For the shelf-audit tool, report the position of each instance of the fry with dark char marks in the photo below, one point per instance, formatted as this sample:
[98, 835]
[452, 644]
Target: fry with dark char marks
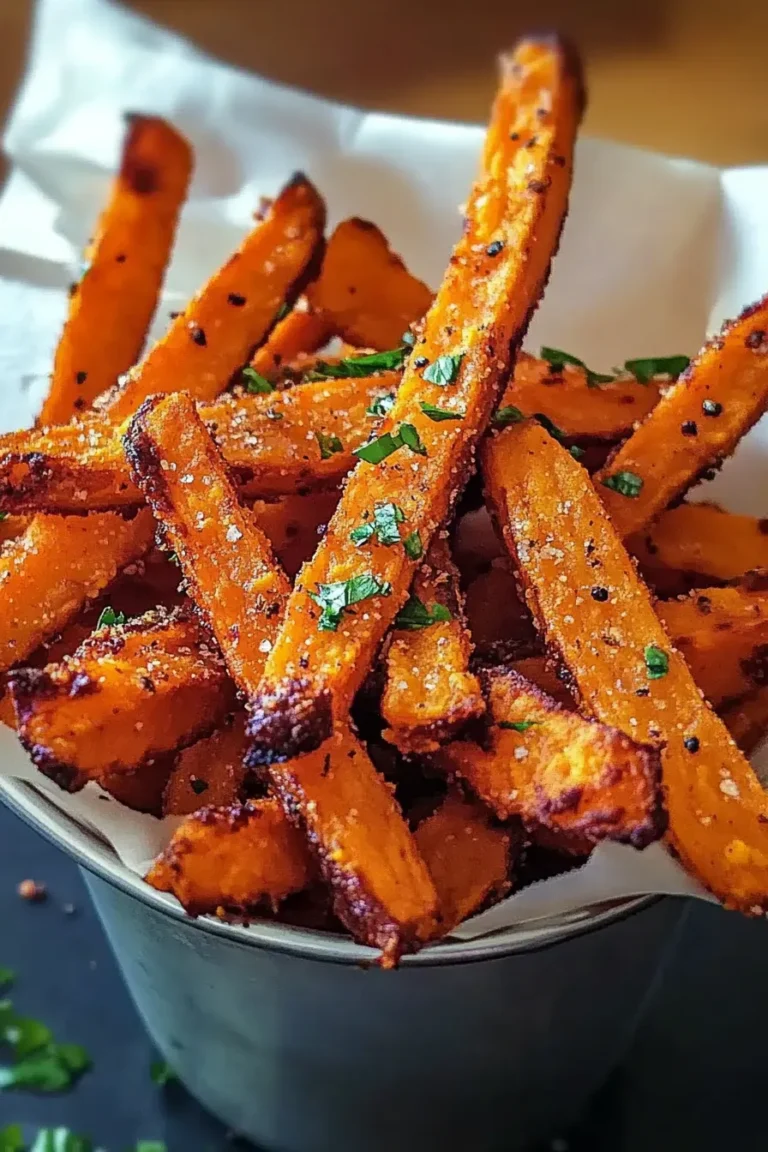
[112, 305]
[129, 694]
[621, 661]
[551, 767]
[346, 598]
[365, 290]
[54, 567]
[300, 331]
[275, 443]
[694, 427]
[381, 887]
[210, 772]
[430, 694]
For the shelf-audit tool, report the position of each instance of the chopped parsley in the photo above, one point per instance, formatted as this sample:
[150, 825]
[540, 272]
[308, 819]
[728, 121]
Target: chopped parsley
[364, 365]
[151, 1146]
[625, 483]
[438, 414]
[329, 445]
[548, 425]
[415, 615]
[7, 977]
[374, 451]
[336, 598]
[410, 437]
[384, 525]
[60, 1140]
[161, 1073]
[282, 311]
[414, 549]
[3, 516]
[558, 359]
[518, 725]
[576, 452]
[444, 370]
[11, 1139]
[362, 534]
[507, 415]
[656, 662]
[109, 618]
[645, 370]
[381, 406]
[256, 383]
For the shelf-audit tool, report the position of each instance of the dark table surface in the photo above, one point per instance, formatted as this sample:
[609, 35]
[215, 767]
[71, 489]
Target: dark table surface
[693, 1079]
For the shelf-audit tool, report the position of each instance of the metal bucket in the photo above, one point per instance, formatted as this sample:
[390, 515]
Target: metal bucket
[293, 1039]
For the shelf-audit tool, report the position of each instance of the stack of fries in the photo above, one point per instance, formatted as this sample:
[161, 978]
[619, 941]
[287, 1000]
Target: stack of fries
[249, 579]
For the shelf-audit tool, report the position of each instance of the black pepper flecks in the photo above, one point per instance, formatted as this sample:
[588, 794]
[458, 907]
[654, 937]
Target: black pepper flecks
[72, 289]
[198, 786]
[689, 428]
[691, 744]
[81, 377]
[532, 142]
[494, 248]
[539, 185]
[599, 594]
[121, 258]
[642, 691]
[236, 300]
[711, 408]
[421, 362]
[514, 135]
[758, 341]
[199, 337]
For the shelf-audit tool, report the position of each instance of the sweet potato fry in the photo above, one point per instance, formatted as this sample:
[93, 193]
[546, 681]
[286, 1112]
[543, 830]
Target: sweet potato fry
[364, 290]
[496, 274]
[300, 331]
[275, 444]
[747, 720]
[216, 332]
[238, 858]
[699, 544]
[429, 693]
[129, 694]
[143, 789]
[11, 527]
[468, 857]
[497, 616]
[542, 672]
[621, 660]
[49, 572]
[382, 889]
[294, 525]
[210, 772]
[583, 780]
[111, 307]
[694, 426]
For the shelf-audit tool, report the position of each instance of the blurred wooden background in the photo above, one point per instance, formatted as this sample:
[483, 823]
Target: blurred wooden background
[682, 76]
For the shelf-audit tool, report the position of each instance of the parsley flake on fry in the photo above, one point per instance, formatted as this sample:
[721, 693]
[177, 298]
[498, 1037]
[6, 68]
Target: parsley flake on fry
[625, 483]
[656, 662]
[414, 548]
[381, 406]
[647, 369]
[364, 365]
[438, 414]
[415, 614]
[109, 618]
[444, 370]
[256, 383]
[558, 359]
[329, 445]
[507, 415]
[518, 725]
[336, 598]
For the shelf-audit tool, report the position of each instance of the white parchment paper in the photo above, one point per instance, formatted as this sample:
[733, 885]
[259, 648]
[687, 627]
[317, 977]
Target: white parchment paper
[656, 252]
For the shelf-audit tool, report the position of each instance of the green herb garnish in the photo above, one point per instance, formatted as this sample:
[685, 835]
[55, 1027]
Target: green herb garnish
[374, 451]
[256, 383]
[329, 445]
[415, 615]
[558, 359]
[109, 618]
[3, 516]
[438, 414]
[282, 311]
[336, 598]
[645, 370]
[410, 437]
[52, 1068]
[161, 1073]
[151, 1146]
[7, 977]
[11, 1139]
[364, 365]
[625, 483]
[381, 406]
[386, 518]
[576, 452]
[507, 415]
[444, 370]
[60, 1140]
[362, 534]
[414, 549]
[518, 725]
[656, 662]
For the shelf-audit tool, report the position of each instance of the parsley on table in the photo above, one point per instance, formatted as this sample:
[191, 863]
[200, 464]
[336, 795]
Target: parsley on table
[381, 406]
[645, 370]
[656, 662]
[150, 1146]
[625, 483]
[444, 370]
[415, 615]
[364, 365]
[60, 1140]
[39, 1062]
[329, 445]
[11, 1139]
[336, 598]
[109, 618]
[256, 383]
[507, 415]
[374, 451]
[438, 414]
[161, 1073]
[557, 359]
[518, 725]
[7, 977]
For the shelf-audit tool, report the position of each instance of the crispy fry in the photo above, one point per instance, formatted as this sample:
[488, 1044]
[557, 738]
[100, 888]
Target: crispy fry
[364, 290]
[694, 427]
[295, 524]
[238, 858]
[142, 790]
[275, 444]
[300, 331]
[700, 544]
[430, 694]
[479, 317]
[468, 858]
[747, 720]
[129, 694]
[54, 567]
[621, 660]
[216, 332]
[542, 672]
[210, 772]
[583, 780]
[111, 307]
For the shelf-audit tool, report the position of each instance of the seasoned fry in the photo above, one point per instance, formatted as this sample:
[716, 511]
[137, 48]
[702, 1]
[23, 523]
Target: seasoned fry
[142, 790]
[364, 290]
[275, 444]
[300, 331]
[583, 780]
[124, 269]
[694, 427]
[747, 720]
[472, 331]
[58, 564]
[216, 332]
[468, 858]
[210, 772]
[129, 694]
[239, 858]
[430, 694]
[622, 663]
[542, 672]
[382, 889]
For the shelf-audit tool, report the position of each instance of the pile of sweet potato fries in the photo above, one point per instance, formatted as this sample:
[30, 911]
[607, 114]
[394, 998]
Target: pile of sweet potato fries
[249, 578]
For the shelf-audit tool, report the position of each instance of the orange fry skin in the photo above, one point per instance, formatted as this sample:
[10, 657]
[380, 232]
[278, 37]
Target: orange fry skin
[54, 567]
[300, 331]
[480, 314]
[468, 857]
[298, 439]
[239, 858]
[695, 425]
[583, 780]
[565, 545]
[111, 307]
[430, 694]
[128, 695]
[364, 290]
[210, 772]
[218, 329]
[143, 789]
